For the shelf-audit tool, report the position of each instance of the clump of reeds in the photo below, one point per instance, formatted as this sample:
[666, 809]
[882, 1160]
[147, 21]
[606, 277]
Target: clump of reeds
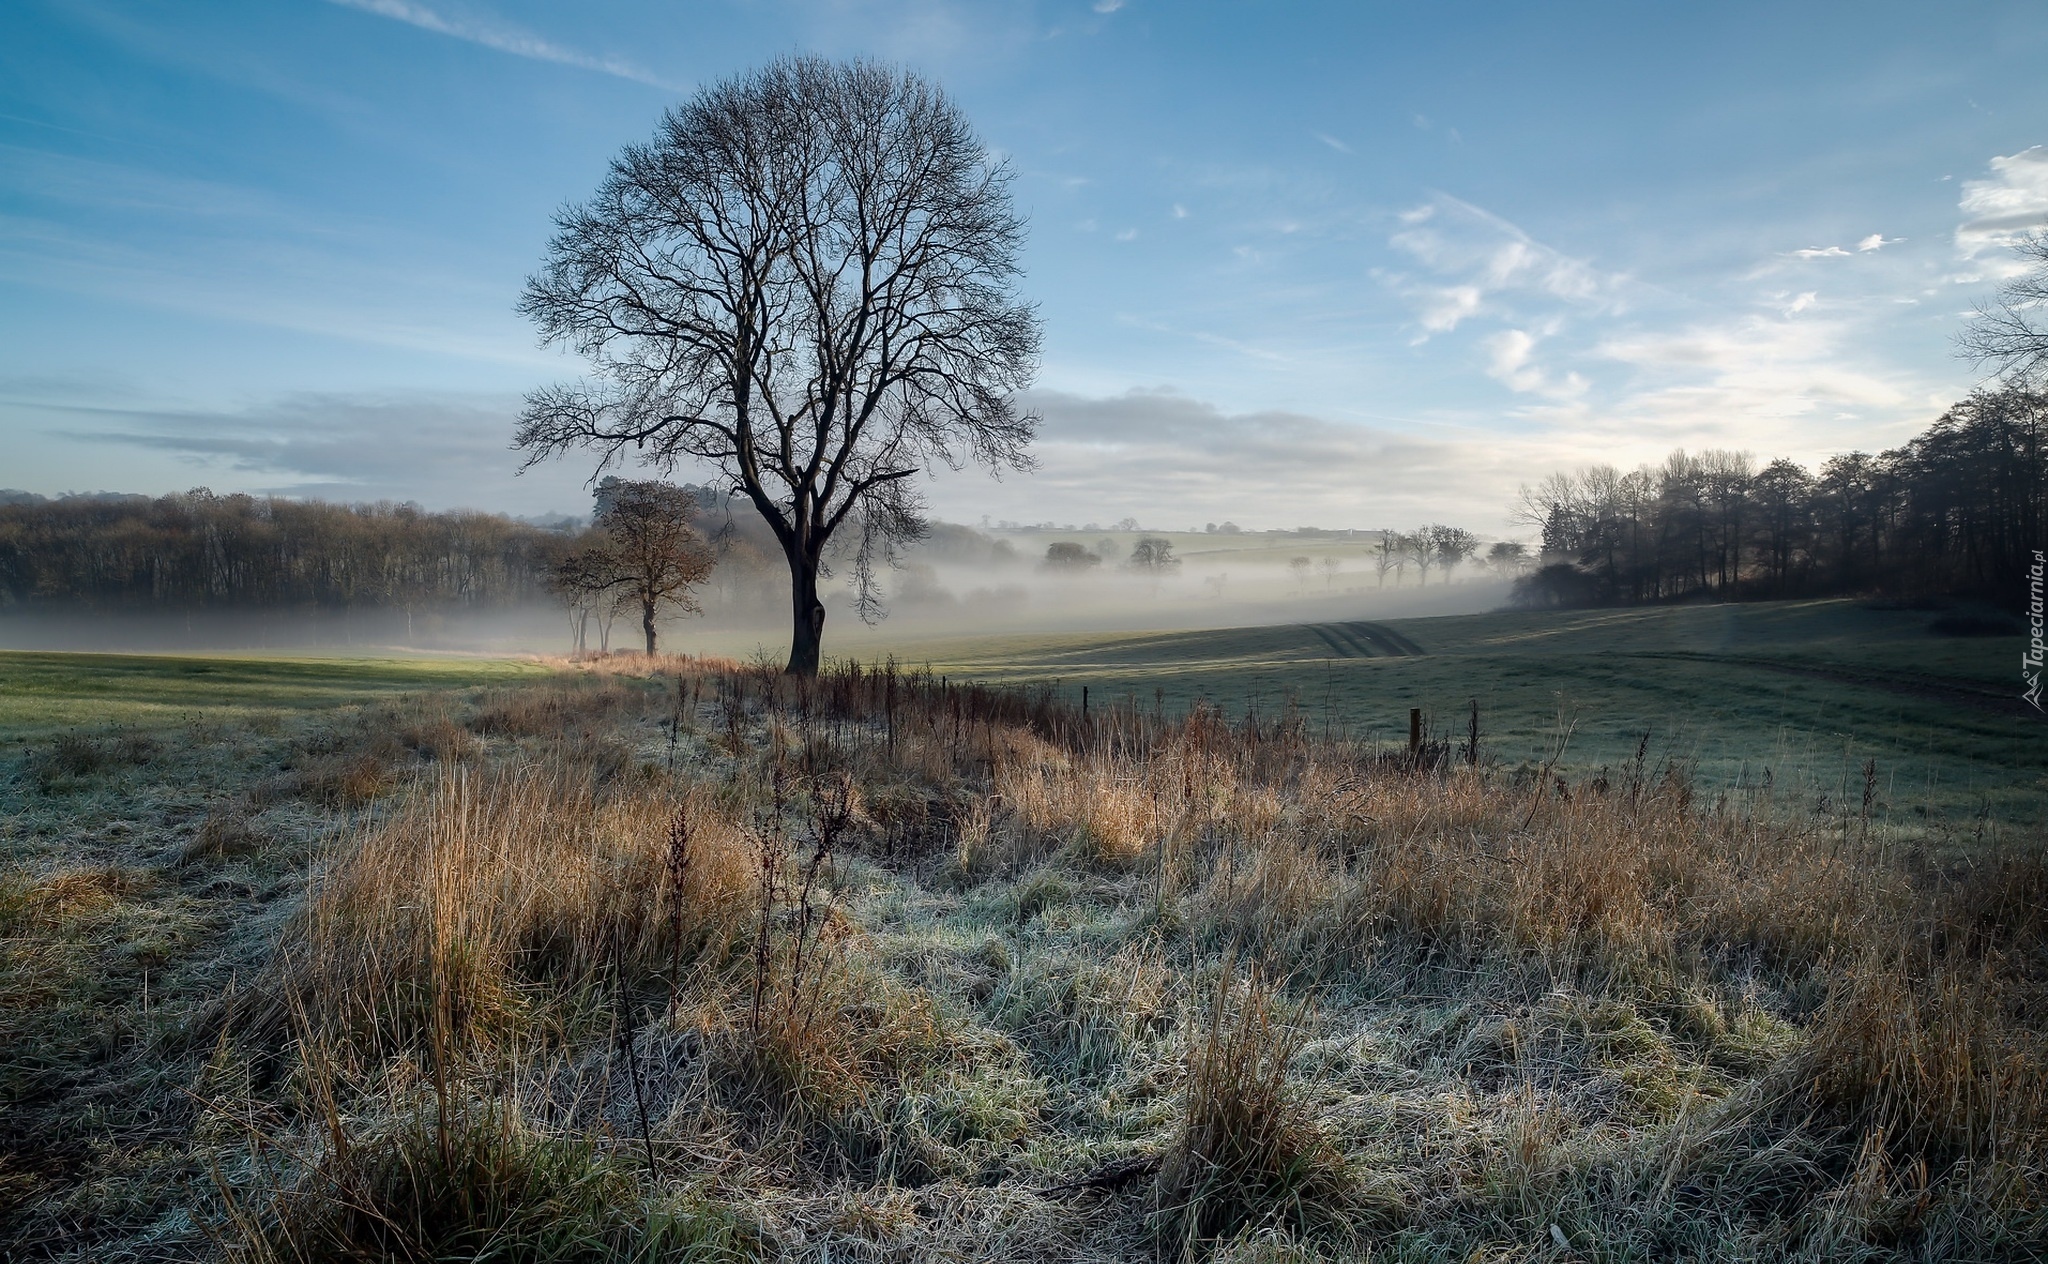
[1932, 1059]
[1249, 1150]
[74, 758]
[471, 1180]
[490, 890]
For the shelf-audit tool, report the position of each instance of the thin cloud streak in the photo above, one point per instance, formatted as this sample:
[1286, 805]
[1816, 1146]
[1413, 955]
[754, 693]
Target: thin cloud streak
[504, 39]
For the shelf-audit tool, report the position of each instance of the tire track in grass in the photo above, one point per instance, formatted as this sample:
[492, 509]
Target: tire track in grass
[1365, 640]
[1345, 648]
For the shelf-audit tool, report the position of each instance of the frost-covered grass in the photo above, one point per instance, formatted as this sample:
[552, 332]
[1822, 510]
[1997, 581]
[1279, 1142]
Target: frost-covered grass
[676, 959]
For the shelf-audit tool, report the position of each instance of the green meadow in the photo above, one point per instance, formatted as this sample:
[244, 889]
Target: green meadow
[44, 693]
[1799, 696]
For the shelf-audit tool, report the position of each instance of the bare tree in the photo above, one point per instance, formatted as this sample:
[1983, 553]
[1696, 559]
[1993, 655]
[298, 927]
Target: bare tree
[1421, 550]
[2011, 332]
[804, 281]
[642, 554]
[1388, 554]
[1448, 546]
[1299, 565]
[1153, 555]
[578, 575]
[1507, 558]
[653, 558]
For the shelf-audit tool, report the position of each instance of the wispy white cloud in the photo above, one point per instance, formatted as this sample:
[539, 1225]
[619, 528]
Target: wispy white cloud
[1108, 6]
[1821, 252]
[1510, 362]
[1482, 256]
[1332, 142]
[1769, 383]
[1878, 241]
[2001, 208]
[1444, 307]
[1801, 302]
[1171, 458]
[503, 37]
[226, 252]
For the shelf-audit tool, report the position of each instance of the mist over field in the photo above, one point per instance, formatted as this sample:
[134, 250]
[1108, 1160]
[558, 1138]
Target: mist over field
[930, 595]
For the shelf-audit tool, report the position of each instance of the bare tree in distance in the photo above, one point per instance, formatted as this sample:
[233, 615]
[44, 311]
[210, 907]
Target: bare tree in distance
[2010, 333]
[657, 558]
[1507, 558]
[805, 282]
[1153, 555]
[1387, 555]
[1448, 546]
[578, 575]
[1421, 550]
[642, 554]
[1299, 565]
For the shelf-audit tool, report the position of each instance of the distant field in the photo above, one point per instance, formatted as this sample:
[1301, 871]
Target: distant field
[1802, 692]
[41, 693]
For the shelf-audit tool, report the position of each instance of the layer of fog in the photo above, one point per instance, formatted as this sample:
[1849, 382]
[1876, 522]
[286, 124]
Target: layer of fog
[968, 584]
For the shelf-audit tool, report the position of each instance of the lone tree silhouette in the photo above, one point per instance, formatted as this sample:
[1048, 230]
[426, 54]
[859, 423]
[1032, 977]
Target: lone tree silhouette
[806, 282]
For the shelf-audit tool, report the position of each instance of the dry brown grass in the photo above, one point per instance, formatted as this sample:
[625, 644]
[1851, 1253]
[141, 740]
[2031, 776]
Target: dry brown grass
[887, 967]
[562, 709]
[491, 887]
[1249, 1151]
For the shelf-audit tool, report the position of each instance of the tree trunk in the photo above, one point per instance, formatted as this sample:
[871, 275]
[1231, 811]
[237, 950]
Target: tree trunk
[807, 616]
[647, 622]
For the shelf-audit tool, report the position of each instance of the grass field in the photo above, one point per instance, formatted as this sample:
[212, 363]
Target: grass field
[1803, 693]
[44, 693]
[337, 960]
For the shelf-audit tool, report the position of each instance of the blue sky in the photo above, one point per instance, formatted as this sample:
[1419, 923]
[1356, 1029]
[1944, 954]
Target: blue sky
[1341, 264]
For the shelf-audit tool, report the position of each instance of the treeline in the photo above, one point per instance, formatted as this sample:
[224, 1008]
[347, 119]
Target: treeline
[198, 550]
[1956, 512]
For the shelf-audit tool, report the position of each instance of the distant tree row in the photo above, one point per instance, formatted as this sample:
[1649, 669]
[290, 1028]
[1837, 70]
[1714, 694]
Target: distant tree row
[1957, 511]
[199, 550]
[1151, 555]
[1434, 547]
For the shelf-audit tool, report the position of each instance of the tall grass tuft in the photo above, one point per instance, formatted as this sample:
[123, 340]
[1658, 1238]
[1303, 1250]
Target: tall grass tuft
[492, 892]
[1249, 1150]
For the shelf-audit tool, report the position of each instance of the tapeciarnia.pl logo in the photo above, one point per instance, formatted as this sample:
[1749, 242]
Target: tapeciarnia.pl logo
[2030, 661]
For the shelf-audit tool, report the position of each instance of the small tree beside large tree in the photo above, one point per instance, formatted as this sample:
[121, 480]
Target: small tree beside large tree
[805, 281]
[642, 555]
